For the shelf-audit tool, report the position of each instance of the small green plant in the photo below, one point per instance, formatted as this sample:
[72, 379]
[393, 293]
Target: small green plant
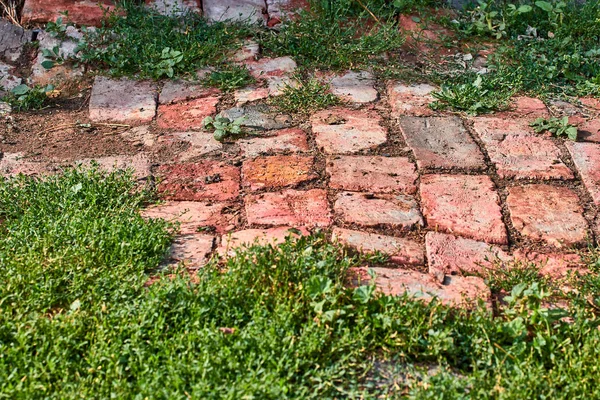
[58, 29]
[24, 98]
[224, 127]
[557, 126]
[309, 96]
[483, 95]
[53, 57]
[229, 78]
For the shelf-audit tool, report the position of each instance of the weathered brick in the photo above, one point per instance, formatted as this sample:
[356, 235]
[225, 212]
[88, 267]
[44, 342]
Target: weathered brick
[179, 91]
[122, 100]
[441, 142]
[186, 115]
[586, 157]
[554, 265]
[258, 117]
[372, 174]
[139, 163]
[410, 100]
[400, 250]
[262, 237]
[290, 207]
[235, 10]
[205, 180]
[175, 7]
[397, 211]
[463, 205]
[517, 152]
[344, 131]
[271, 67]
[277, 171]
[13, 164]
[192, 215]
[192, 250]
[448, 254]
[249, 94]
[81, 12]
[356, 87]
[285, 140]
[200, 143]
[454, 290]
[547, 213]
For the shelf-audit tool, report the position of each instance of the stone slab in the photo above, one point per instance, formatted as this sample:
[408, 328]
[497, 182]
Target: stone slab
[204, 180]
[277, 171]
[12, 40]
[261, 237]
[464, 205]
[122, 100]
[193, 216]
[290, 207]
[291, 140]
[356, 87]
[586, 157]
[410, 99]
[449, 255]
[175, 7]
[345, 131]
[396, 211]
[186, 115]
[400, 250]
[517, 152]
[372, 174]
[547, 213]
[235, 10]
[441, 142]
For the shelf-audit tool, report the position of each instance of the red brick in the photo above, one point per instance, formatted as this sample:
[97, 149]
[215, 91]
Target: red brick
[586, 157]
[178, 91]
[290, 207]
[410, 100]
[519, 153]
[285, 140]
[372, 174]
[463, 205]
[205, 180]
[400, 250]
[453, 291]
[547, 213]
[531, 107]
[277, 171]
[81, 12]
[441, 142]
[344, 131]
[192, 215]
[554, 265]
[589, 130]
[260, 237]
[397, 211]
[448, 254]
[186, 115]
[191, 250]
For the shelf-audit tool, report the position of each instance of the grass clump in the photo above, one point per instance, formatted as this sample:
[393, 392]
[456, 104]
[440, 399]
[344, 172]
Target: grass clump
[274, 322]
[308, 96]
[147, 44]
[548, 49]
[336, 34]
[229, 78]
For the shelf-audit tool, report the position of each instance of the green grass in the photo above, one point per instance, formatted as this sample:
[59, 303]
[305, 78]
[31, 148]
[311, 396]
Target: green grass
[76, 320]
[146, 44]
[336, 34]
[308, 96]
[228, 78]
[545, 49]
